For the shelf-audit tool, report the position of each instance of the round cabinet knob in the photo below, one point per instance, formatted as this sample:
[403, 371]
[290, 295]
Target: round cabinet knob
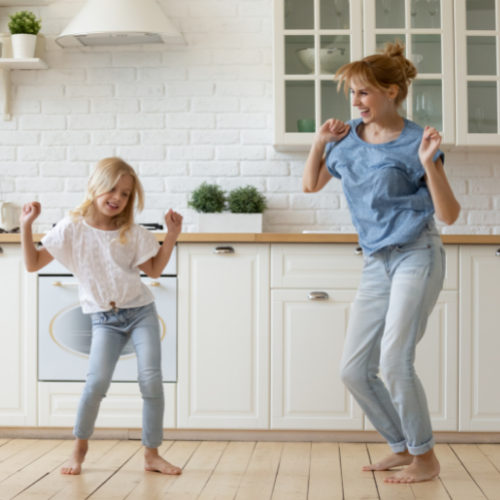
[223, 250]
[154, 284]
[358, 251]
[318, 296]
[56, 283]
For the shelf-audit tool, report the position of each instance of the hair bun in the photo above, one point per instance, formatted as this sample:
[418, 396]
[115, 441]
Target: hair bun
[396, 50]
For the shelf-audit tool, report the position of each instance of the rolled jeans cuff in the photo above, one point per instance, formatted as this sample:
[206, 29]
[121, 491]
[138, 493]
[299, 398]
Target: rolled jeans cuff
[398, 447]
[423, 448]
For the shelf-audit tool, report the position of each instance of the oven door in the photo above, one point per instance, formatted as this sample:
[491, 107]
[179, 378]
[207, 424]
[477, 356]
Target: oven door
[65, 333]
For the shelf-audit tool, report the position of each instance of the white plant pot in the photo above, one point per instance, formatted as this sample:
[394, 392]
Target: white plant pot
[23, 46]
[230, 223]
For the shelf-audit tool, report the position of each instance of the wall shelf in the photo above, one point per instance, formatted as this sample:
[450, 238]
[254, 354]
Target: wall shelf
[33, 63]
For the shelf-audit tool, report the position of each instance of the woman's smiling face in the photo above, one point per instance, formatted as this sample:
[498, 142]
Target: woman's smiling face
[372, 103]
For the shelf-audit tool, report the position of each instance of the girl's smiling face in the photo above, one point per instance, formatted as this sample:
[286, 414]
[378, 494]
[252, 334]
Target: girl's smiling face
[114, 201]
[373, 104]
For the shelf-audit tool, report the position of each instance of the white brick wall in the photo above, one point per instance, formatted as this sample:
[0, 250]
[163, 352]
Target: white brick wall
[181, 115]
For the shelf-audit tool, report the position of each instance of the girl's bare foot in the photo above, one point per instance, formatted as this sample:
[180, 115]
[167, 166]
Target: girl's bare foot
[73, 466]
[394, 460]
[155, 463]
[423, 468]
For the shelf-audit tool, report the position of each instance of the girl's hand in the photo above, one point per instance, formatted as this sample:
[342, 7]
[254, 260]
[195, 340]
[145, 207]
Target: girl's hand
[173, 220]
[333, 130]
[431, 141]
[30, 212]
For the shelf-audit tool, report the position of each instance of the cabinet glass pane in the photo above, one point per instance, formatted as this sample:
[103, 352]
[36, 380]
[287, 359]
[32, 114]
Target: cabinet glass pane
[335, 52]
[481, 55]
[481, 15]
[381, 40]
[334, 14]
[428, 103]
[482, 107]
[425, 13]
[299, 14]
[334, 104]
[390, 14]
[299, 102]
[426, 53]
[299, 55]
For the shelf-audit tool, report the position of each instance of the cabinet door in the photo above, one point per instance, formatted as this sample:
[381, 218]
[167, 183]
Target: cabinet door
[305, 32]
[477, 31]
[307, 344]
[479, 338]
[426, 29]
[223, 377]
[18, 340]
[121, 408]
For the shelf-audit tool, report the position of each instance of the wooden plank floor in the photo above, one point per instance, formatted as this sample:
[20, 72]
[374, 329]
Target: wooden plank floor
[216, 470]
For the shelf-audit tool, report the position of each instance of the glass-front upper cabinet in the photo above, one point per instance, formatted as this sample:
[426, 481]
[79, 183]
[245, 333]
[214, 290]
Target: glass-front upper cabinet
[312, 40]
[426, 29]
[476, 39]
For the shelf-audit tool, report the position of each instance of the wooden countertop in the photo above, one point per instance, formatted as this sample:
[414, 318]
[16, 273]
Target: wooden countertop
[457, 239]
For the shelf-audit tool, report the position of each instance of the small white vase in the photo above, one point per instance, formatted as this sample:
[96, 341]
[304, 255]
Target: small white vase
[23, 46]
[230, 223]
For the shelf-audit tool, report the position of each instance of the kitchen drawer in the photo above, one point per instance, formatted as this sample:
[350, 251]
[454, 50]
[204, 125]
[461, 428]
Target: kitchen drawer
[121, 408]
[336, 265]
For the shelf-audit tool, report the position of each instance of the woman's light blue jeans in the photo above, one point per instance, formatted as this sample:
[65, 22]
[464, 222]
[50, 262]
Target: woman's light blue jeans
[399, 288]
[110, 332]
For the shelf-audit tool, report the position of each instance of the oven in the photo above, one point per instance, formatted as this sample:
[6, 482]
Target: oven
[65, 333]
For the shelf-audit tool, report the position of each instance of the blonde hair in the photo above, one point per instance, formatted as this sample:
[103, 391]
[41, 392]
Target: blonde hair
[389, 67]
[104, 177]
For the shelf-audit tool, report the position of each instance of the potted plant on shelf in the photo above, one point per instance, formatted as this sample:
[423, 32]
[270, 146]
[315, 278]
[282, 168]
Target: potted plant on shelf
[245, 204]
[24, 27]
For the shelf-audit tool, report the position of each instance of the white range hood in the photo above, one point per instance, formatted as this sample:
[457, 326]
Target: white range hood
[118, 22]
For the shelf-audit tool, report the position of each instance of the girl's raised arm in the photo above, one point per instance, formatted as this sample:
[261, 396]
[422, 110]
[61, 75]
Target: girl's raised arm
[34, 259]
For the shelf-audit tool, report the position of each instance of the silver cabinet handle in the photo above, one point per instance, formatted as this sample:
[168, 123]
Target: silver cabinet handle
[358, 251]
[58, 283]
[318, 296]
[497, 253]
[223, 250]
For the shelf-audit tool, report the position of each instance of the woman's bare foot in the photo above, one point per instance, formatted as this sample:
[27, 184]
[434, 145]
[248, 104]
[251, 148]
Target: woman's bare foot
[423, 468]
[73, 466]
[155, 463]
[394, 460]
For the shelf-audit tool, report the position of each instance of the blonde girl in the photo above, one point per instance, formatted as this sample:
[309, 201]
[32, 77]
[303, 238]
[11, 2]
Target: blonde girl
[106, 251]
[394, 181]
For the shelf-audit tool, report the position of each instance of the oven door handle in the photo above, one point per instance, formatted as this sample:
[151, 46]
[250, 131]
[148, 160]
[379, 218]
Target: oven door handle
[58, 283]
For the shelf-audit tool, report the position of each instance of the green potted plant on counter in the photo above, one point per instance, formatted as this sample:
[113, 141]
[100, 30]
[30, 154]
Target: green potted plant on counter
[24, 27]
[246, 206]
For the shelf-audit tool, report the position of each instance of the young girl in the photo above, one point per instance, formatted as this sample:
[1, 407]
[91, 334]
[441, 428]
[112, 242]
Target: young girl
[105, 250]
[393, 178]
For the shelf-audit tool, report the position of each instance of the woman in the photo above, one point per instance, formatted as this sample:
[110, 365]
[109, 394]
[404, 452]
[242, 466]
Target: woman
[393, 178]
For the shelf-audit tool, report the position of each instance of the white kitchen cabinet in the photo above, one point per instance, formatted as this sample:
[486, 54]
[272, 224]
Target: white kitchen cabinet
[18, 346]
[426, 29]
[121, 408]
[479, 338]
[223, 379]
[306, 351]
[305, 95]
[477, 32]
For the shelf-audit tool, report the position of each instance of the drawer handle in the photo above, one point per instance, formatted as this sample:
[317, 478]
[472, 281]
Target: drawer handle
[318, 296]
[58, 283]
[497, 253]
[223, 250]
[358, 251]
[154, 283]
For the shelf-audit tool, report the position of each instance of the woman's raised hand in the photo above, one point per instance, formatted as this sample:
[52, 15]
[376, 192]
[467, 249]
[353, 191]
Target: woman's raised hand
[173, 220]
[30, 212]
[333, 130]
[431, 140]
